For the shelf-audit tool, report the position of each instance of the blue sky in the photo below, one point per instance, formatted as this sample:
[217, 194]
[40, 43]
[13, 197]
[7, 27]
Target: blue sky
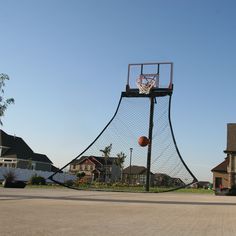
[67, 61]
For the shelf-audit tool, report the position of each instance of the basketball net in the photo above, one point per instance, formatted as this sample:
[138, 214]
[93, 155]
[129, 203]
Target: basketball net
[145, 84]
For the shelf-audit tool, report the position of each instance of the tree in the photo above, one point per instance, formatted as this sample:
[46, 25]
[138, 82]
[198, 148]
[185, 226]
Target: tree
[80, 175]
[4, 102]
[106, 154]
[119, 161]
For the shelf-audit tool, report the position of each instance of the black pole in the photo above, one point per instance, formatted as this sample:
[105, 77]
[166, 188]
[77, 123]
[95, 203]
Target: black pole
[130, 162]
[149, 154]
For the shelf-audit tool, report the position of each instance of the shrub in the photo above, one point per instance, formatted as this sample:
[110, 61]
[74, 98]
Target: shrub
[80, 175]
[69, 182]
[9, 176]
[37, 180]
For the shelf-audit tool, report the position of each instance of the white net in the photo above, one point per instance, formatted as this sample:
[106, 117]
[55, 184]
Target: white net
[145, 84]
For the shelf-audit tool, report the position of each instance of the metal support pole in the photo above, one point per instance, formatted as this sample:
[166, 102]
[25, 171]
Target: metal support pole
[149, 154]
[130, 162]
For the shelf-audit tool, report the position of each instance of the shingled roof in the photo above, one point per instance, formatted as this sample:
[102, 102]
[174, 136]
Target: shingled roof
[135, 170]
[222, 167]
[41, 158]
[97, 159]
[12, 145]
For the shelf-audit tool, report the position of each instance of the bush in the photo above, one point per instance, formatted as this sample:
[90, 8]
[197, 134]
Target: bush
[37, 180]
[10, 180]
[231, 192]
[69, 183]
[9, 176]
[80, 175]
[16, 184]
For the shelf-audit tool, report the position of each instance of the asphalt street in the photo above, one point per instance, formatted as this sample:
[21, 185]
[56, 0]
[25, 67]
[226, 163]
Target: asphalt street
[40, 212]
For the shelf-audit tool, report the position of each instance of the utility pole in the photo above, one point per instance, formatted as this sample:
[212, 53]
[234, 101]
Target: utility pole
[130, 162]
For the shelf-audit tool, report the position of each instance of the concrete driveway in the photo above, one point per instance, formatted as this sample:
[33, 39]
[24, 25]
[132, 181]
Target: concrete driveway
[68, 212]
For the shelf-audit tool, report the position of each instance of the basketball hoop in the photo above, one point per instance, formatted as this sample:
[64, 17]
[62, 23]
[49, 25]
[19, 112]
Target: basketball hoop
[145, 84]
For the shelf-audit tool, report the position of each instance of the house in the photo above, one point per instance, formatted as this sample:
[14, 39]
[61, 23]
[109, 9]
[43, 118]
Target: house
[96, 168]
[201, 184]
[220, 175]
[15, 153]
[164, 180]
[136, 175]
[224, 174]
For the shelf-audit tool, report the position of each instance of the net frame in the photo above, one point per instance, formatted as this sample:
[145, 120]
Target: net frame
[165, 158]
[192, 179]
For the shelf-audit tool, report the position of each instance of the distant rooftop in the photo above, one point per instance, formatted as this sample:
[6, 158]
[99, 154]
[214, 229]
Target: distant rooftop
[222, 167]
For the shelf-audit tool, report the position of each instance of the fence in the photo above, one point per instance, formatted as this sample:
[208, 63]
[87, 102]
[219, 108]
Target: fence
[25, 174]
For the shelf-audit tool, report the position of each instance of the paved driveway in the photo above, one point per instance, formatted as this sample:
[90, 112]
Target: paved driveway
[40, 212]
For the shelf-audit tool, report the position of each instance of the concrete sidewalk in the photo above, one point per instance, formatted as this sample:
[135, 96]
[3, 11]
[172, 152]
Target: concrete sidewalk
[40, 212]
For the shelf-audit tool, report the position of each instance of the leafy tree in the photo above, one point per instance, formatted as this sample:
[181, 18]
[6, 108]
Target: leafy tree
[4, 102]
[80, 175]
[106, 154]
[119, 161]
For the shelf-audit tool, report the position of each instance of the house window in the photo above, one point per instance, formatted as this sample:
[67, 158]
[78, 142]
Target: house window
[142, 179]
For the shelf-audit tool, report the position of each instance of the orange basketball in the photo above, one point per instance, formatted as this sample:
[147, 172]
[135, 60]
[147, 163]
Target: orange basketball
[143, 141]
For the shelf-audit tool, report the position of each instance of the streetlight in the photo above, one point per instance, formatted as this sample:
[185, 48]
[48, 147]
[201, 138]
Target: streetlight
[130, 161]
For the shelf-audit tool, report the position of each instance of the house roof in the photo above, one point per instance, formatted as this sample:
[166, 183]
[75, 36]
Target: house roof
[55, 169]
[203, 183]
[41, 158]
[222, 167]
[13, 145]
[95, 159]
[161, 175]
[135, 170]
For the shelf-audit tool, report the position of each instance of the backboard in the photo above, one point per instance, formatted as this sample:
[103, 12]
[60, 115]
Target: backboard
[148, 77]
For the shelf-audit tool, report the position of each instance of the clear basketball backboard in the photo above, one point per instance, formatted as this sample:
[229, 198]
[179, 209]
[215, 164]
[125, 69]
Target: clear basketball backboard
[150, 76]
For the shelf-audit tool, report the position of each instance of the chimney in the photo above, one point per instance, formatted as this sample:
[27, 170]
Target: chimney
[231, 138]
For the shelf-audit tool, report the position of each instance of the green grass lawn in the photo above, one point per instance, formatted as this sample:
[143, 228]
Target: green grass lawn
[142, 189]
[195, 190]
[125, 188]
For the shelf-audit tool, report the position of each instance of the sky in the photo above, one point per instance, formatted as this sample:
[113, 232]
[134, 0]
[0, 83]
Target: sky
[67, 62]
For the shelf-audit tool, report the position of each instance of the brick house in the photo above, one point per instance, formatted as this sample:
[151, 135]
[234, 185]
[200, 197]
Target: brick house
[136, 175]
[96, 168]
[220, 175]
[164, 180]
[15, 153]
[224, 174]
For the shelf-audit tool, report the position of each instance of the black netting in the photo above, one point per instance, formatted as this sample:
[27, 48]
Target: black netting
[96, 169]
